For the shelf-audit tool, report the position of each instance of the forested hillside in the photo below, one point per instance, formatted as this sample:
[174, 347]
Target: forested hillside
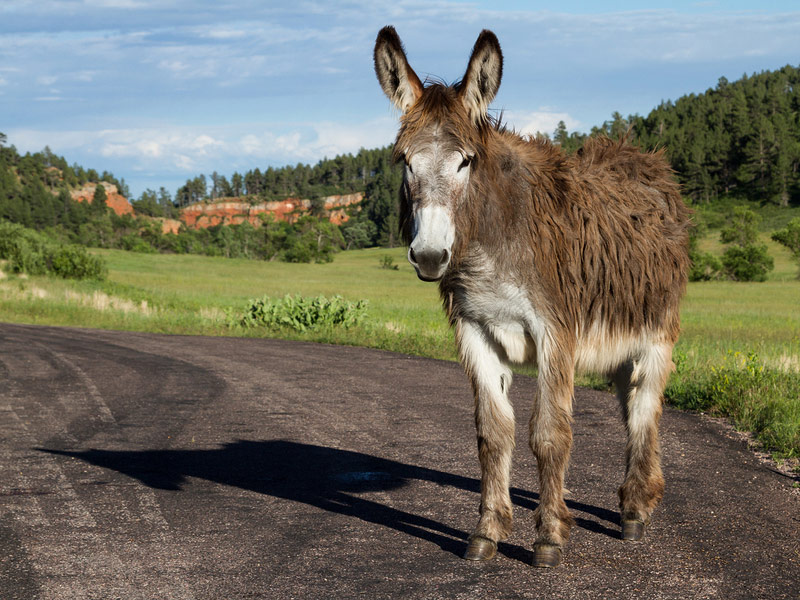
[740, 139]
[368, 171]
[34, 188]
[35, 191]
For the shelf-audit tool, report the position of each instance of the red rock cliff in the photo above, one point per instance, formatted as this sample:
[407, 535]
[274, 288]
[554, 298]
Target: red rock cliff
[226, 211]
[232, 211]
[116, 201]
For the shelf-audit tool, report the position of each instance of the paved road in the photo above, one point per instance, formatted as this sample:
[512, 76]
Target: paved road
[145, 466]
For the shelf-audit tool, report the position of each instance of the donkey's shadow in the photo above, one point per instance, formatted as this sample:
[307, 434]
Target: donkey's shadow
[327, 478]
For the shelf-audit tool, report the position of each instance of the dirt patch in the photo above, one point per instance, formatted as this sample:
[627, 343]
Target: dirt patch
[788, 467]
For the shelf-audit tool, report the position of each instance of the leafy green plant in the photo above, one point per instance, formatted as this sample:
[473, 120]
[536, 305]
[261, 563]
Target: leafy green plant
[303, 314]
[704, 265]
[747, 263]
[74, 262]
[387, 262]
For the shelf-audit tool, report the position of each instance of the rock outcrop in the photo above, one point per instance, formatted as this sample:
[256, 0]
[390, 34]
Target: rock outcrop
[232, 211]
[169, 225]
[227, 211]
[116, 201]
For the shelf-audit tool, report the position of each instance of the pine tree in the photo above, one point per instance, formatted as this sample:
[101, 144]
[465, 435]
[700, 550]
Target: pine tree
[99, 200]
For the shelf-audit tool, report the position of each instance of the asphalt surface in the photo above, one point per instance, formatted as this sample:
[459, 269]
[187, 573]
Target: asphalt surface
[146, 466]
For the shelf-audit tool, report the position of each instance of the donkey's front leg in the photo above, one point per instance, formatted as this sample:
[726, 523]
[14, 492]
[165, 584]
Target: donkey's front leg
[551, 438]
[494, 421]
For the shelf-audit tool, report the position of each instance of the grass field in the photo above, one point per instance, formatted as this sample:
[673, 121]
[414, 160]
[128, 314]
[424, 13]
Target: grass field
[739, 353]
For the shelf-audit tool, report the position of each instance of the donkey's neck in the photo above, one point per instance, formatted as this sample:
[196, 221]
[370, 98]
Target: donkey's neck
[520, 183]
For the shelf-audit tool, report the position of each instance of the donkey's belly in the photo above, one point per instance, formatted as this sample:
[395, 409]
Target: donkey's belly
[601, 351]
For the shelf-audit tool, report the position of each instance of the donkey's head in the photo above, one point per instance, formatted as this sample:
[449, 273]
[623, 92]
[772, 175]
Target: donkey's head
[439, 140]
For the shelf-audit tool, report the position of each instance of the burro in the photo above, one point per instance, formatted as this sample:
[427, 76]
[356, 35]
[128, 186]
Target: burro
[565, 262]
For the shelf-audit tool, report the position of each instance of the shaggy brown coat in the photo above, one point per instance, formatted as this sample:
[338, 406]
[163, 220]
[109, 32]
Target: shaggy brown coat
[561, 261]
[603, 234]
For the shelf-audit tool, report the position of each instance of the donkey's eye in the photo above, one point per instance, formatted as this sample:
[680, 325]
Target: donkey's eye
[465, 163]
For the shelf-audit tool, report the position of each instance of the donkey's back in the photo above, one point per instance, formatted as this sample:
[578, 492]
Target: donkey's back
[629, 230]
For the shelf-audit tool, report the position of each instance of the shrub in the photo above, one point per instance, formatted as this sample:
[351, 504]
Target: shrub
[790, 237]
[21, 248]
[387, 262]
[705, 266]
[747, 263]
[135, 243]
[300, 250]
[74, 262]
[742, 228]
[303, 314]
[32, 253]
[744, 259]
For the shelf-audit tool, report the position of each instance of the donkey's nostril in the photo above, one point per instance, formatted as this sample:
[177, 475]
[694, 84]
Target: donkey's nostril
[412, 258]
[445, 257]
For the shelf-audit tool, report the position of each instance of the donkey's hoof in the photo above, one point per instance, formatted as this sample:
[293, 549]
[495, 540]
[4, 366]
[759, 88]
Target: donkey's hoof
[633, 530]
[546, 555]
[480, 548]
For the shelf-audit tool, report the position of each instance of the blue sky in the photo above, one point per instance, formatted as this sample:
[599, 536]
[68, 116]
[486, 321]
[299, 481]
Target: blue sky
[157, 91]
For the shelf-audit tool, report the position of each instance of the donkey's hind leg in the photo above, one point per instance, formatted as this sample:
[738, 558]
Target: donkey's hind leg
[640, 385]
[494, 421]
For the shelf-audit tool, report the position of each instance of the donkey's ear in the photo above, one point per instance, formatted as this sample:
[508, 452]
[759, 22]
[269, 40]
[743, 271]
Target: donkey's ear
[482, 79]
[397, 78]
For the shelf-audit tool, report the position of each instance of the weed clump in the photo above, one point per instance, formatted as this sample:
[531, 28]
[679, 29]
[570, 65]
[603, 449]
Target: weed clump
[301, 313]
[387, 262]
[757, 397]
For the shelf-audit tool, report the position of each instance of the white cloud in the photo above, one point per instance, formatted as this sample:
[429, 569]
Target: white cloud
[337, 138]
[179, 149]
[185, 164]
[226, 33]
[84, 76]
[189, 151]
[541, 121]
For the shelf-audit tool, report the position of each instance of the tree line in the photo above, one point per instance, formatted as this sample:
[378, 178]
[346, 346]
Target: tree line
[344, 174]
[370, 172]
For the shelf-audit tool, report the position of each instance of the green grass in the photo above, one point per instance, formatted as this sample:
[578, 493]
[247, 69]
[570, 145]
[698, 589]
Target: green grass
[739, 351]
[723, 322]
[188, 294]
